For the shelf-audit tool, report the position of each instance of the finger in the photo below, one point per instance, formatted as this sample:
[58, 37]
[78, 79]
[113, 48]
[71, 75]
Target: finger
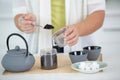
[68, 31]
[73, 43]
[25, 22]
[75, 39]
[27, 27]
[30, 30]
[71, 36]
[30, 17]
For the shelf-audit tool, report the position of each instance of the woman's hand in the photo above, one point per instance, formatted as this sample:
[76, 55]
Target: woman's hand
[24, 22]
[72, 35]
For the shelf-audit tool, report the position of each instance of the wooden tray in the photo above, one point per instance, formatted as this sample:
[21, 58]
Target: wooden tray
[64, 66]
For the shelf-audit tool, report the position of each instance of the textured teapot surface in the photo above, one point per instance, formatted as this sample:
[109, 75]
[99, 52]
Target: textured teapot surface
[17, 60]
[18, 63]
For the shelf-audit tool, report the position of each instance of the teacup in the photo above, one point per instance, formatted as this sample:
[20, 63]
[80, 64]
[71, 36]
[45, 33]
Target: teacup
[93, 52]
[78, 56]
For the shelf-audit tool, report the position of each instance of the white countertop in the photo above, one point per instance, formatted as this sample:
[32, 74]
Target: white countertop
[111, 72]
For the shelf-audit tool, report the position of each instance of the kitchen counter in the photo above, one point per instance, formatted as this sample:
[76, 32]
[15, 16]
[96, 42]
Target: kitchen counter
[111, 72]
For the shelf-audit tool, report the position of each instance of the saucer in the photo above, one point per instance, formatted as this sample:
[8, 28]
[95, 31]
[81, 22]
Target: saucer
[89, 66]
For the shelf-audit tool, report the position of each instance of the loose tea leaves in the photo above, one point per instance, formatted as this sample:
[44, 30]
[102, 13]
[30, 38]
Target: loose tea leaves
[48, 26]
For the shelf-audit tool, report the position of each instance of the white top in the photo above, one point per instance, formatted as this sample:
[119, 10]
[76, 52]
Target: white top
[76, 10]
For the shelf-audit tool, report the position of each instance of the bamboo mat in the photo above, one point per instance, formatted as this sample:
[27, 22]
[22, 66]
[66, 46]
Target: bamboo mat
[64, 66]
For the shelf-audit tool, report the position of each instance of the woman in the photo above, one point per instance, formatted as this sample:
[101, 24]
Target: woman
[83, 17]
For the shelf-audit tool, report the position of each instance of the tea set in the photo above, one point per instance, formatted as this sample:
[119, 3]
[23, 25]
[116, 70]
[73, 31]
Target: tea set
[20, 60]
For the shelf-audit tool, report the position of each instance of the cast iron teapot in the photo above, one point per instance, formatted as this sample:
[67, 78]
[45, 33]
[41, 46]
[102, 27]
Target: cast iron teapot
[17, 60]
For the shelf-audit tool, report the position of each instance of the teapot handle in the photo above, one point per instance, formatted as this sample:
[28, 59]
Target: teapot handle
[19, 36]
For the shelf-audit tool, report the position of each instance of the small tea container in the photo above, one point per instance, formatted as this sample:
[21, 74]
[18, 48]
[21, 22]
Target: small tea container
[58, 37]
[48, 59]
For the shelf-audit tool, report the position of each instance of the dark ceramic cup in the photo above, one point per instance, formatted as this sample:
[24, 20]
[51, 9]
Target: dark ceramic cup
[78, 56]
[93, 52]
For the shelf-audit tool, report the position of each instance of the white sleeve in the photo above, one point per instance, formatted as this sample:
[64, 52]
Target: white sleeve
[95, 5]
[19, 6]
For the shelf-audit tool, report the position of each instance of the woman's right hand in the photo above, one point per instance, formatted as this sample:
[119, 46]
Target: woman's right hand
[24, 22]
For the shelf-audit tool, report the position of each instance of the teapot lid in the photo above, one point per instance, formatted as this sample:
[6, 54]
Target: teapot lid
[17, 51]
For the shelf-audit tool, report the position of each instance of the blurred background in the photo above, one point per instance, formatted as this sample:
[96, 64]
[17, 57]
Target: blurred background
[108, 36]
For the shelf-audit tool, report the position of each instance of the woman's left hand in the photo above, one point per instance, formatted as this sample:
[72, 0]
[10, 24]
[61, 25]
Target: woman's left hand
[71, 35]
